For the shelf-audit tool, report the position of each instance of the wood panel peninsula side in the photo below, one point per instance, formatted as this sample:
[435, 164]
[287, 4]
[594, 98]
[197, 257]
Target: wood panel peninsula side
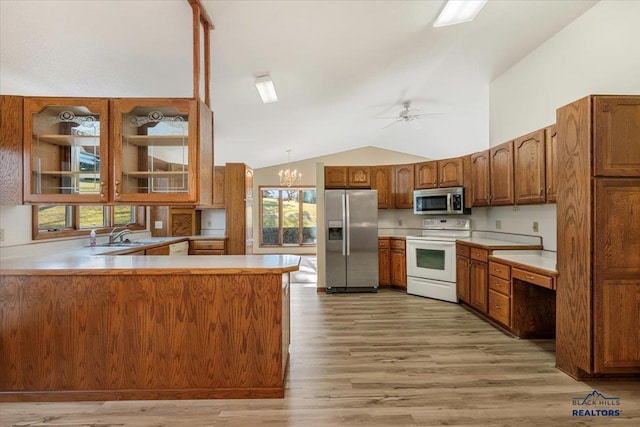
[152, 327]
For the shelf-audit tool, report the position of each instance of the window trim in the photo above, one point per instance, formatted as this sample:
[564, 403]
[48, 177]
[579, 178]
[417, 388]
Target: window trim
[37, 234]
[300, 188]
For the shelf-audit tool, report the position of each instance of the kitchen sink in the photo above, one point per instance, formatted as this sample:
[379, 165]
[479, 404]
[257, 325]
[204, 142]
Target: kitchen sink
[126, 243]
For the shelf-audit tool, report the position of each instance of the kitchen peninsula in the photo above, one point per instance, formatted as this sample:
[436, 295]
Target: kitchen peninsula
[108, 327]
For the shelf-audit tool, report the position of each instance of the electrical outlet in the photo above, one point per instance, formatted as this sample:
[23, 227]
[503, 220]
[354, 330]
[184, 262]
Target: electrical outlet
[498, 224]
[535, 226]
[399, 222]
[158, 225]
[208, 223]
[1, 234]
[516, 208]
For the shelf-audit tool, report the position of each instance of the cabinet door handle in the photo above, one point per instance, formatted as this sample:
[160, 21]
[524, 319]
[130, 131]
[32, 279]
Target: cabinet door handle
[541, 191]
[528, 276]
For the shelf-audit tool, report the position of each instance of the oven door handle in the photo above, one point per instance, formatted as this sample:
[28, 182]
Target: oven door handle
[430, 242]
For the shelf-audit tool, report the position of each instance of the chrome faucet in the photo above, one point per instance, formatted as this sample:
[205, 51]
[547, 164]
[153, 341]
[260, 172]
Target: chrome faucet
[113, 238]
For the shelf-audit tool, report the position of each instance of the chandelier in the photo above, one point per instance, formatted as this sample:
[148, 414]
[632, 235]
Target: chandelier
[287, 176]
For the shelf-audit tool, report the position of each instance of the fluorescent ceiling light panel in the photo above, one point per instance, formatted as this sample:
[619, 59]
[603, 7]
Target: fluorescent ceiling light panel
[265, 87]
[459, 11]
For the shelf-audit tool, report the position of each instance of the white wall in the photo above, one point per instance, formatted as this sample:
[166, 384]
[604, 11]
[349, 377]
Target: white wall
[361, 156]
[598, 53]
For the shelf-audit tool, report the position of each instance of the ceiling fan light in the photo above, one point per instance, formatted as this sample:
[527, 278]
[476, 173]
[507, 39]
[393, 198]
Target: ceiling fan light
[266, 89]
[459, 11]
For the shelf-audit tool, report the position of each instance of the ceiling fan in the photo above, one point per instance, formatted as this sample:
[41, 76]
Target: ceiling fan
[406, 115]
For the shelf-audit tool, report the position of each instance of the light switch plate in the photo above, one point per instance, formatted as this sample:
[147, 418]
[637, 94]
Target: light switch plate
[498, 224]
[1, 234]
[158, 225]
[535, 226]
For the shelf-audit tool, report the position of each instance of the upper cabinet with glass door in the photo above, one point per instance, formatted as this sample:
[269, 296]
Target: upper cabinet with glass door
[155, 150]
[66, 150]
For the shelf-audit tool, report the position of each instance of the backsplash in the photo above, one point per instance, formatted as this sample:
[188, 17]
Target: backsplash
[213, 222]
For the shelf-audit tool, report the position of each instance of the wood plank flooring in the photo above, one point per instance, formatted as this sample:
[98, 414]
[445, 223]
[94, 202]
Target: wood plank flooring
[385, 359]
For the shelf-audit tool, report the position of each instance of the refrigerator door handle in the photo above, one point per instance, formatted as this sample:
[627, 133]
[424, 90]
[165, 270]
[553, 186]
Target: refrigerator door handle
[344, 224]
[348, 226]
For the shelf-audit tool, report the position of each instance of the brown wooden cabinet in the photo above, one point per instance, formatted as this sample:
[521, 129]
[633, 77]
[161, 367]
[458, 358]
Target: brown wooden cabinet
[238, 188]
[98, 150]
[440, 173]
[335, 177]
[347, 177]
[207, 247]
[382, 180]
[478, 279]
[158, 250]
[384, 261]
[218, 188]
[501, 176]
[176, 221]
[451, 172]
[66, 150]
[500, 293]
[480, 178]
[463, 273]
[616, 124]
[598, 286]
[403, 177]
[551, 163]
[359, 177]
[426, 174]
[529, 168]
[11, 126]
[398, 263]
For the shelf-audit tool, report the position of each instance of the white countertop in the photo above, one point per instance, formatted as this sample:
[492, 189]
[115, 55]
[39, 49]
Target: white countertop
[484, 241]
[542, 260]
[65, 264]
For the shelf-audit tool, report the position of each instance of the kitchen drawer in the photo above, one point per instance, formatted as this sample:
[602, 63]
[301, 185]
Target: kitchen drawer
[383, 243]
[479, 254]
[499, 307]
[536, 279]
[207, 245]
[397, 244]
[500, 285]
[499, 270]
[207, 252]
[463, 250]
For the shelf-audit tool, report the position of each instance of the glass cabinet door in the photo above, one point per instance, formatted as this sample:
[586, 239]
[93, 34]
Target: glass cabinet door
[66, 151]
[154, 154]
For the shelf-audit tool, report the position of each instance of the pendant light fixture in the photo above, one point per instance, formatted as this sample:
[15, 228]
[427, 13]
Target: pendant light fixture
[289, 177]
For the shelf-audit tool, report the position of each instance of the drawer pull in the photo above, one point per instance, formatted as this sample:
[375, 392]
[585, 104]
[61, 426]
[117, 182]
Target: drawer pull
[497, 306]
[528, 276]
[498, 270]
[497, 284]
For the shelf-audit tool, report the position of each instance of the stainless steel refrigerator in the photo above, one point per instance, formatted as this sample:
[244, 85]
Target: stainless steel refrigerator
[351, 220]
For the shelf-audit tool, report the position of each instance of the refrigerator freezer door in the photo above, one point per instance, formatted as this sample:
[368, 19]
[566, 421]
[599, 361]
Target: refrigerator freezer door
[335, 218]
[362, 238]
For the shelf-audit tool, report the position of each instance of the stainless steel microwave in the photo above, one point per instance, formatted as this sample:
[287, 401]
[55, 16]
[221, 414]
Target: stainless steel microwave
[439, 201]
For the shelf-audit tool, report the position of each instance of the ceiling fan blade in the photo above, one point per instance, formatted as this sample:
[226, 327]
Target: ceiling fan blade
[391, 124]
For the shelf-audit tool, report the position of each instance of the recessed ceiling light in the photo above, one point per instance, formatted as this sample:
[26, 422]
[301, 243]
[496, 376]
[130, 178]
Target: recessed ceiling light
[266, 89]
[459, 11]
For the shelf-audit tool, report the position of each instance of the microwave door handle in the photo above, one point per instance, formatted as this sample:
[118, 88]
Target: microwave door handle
[344, 226]
[449, 207]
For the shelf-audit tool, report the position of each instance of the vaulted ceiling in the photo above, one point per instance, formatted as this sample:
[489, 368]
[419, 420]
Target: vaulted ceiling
[341, 68]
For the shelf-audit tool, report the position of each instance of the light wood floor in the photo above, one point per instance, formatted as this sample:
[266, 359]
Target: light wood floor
[385, 359]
